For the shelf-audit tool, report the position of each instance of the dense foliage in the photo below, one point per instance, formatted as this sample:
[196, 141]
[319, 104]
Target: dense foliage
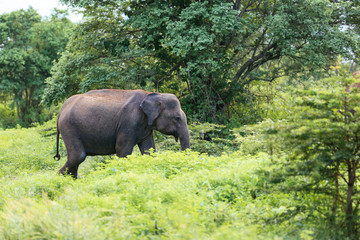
[316, 149]
[166, 195]
[293, 175]
[207, 52]
[293, 178]
[28, 47]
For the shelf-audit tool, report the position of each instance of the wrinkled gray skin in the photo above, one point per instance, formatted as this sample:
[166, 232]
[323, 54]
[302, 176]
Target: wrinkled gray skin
[103, 122]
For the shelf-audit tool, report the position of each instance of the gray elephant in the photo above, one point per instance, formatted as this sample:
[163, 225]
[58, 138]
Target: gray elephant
[103, 122]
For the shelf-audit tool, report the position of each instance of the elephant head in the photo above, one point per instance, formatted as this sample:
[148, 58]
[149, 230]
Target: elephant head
[164, 113]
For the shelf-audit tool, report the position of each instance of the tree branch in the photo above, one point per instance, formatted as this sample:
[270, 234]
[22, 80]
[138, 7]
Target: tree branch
[168, 74]
[251, 64]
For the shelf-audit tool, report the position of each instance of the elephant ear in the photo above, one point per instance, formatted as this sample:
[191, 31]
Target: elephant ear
[152, 106]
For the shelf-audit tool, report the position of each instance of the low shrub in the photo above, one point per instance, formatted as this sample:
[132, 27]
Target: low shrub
[7, 117]
[164, 195]
[208, 138]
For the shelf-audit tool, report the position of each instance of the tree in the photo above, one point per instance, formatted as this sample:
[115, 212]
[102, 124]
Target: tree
[87, 61]
[322, 142]
[207, 52]
[28, 47]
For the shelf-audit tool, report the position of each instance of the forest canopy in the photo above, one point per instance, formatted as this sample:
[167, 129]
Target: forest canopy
[206, 52]
[28, 47]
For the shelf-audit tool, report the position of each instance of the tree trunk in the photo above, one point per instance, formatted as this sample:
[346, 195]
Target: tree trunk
[337, 195]
[18, 110]
[350, 220]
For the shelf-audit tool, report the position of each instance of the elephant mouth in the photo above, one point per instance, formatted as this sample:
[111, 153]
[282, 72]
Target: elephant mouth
[176, 135]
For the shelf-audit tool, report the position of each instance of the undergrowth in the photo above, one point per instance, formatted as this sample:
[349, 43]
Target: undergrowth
[165, 195]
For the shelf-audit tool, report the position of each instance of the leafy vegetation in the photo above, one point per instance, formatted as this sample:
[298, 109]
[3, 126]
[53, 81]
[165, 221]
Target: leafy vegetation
[281, 179]
[206, 52]
[315, 150]
[28, 48]
[175, 195]
[208, 138]
[285, 164]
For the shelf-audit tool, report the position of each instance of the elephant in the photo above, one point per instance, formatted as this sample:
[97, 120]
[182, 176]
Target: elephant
[112, 121]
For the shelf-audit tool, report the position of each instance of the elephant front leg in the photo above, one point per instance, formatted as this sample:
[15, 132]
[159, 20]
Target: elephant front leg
[147, 144]
[123, 147]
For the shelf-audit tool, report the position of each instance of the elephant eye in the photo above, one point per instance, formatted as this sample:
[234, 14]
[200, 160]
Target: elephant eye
[178, 119]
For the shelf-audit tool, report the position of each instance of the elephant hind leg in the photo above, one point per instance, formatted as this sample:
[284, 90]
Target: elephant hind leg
[74, 159]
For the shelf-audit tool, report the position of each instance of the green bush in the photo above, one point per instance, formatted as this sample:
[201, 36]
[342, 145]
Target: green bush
[315, 152]
[212, 139]
[7, 117]
[165, 195]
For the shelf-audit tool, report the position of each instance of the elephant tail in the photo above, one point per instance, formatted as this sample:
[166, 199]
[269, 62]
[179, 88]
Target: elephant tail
[57, 156]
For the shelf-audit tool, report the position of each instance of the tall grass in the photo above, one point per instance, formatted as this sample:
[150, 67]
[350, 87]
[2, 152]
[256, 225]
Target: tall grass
[166, 195]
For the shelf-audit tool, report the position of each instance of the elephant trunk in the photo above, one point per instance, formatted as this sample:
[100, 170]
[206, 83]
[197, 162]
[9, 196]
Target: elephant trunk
[184, 139]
